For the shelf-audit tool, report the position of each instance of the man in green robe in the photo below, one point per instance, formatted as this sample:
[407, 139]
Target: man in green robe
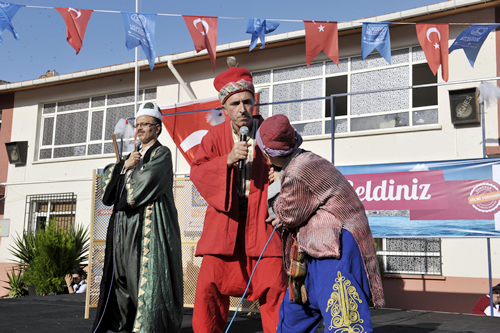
[141, 287]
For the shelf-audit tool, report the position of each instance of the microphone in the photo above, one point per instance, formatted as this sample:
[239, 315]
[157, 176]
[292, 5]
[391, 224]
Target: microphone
[243, 137]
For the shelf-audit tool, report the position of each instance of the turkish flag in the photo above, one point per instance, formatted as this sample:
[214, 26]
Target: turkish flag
[321, 35]
[433, 37]
[203, 31]
[188, 129]
[76, 24]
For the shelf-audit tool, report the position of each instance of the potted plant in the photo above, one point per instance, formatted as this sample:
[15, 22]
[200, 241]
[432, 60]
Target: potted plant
[50, 254]
[17, 288]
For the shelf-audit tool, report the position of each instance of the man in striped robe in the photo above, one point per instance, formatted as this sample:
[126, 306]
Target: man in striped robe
[328, 248]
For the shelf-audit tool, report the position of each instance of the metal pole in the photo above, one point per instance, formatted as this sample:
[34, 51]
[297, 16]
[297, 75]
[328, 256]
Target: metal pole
[136, 83]
[481, 107]
[489, 276]
[332, 117]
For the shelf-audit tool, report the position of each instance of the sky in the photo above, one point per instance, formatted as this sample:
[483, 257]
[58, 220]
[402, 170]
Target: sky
[43, 47]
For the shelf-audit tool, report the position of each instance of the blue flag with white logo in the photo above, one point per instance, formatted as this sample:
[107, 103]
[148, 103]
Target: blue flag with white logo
[471, 40]
[140, 30]
[376, 36]
[7, 12]
[259, 28]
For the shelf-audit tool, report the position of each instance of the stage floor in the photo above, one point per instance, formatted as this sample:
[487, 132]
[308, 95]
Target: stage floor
[65, 313]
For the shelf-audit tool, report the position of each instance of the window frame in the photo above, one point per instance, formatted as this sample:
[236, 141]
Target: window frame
[34, 209]
[383, 254]
[91, 110]
[415, 57]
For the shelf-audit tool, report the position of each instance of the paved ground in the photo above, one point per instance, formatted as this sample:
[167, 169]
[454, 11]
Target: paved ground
[65, 313]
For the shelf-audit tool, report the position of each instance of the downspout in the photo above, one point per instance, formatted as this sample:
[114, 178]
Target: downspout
[180, 80]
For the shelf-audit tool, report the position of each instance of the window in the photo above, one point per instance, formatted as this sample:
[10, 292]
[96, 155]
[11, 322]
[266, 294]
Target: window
[83, 127]
[42, 208]
[410, 255]
[0, 120]
[396, 107]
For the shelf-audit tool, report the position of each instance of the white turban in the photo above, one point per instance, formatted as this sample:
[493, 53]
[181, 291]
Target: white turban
[149, 109]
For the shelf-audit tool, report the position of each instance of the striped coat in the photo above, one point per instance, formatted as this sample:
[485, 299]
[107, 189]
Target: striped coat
[317, 200]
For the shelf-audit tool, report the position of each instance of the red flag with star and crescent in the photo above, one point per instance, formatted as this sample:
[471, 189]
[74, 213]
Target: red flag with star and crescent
[433, 37]
[76, 24]
[188, 128]
[203, 31]
[321, 36]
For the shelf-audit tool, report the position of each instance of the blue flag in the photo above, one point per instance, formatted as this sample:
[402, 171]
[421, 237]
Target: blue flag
[376, 35]
[259, 28]
[471, 40]
[7, 12]
[140, 30]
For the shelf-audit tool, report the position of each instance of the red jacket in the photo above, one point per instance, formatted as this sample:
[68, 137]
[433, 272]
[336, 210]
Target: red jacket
[215, 182]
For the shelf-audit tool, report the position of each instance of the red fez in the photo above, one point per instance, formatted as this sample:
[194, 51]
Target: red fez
[234, 80]
[277, 137]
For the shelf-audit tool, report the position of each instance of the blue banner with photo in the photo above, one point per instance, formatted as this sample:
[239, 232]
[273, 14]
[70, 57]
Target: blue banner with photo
[7, 12]
[471, 40]
[140, 30]
[376, 36]
[259, 28]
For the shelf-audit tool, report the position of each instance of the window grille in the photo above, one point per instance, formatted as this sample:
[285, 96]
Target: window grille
[399, 107]
[41, 208]
[83, 127]
[410, 255]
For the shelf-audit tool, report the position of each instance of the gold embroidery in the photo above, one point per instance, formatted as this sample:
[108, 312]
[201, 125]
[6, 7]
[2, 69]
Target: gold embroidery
[107, 181]
[145, 259]
[344, 307]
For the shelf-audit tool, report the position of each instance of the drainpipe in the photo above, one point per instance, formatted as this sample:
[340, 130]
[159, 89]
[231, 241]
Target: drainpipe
[180, 80]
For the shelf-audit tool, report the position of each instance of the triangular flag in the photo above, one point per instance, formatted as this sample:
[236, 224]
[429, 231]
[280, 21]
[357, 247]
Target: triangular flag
[140, 30]
[7, 12]
[433, 38]
[376, 36]
[203, 30]
[187, 130]
[76, 25]
[321, 35]
[259, 28]
[471, 40]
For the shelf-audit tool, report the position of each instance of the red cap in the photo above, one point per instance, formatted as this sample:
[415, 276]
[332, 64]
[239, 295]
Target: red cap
[277, 133]
[234, 80]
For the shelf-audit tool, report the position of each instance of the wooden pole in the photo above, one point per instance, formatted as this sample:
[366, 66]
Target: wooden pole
[115, 145]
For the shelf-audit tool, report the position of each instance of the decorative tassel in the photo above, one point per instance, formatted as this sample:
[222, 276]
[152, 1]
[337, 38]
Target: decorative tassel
[215, 117]
[488, 93]
[124, 130]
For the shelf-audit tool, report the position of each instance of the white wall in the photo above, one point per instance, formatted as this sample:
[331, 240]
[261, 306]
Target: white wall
[468, 258]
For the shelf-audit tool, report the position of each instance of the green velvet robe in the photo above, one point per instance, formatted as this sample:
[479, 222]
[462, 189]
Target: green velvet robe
[145, 289]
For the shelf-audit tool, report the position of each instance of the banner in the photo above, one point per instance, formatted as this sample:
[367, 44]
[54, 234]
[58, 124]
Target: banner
[7, 12]
[259, 28]
[321, 36]
[376, 36]
[140, 30]
[187, 130]
[471, 40]
[430, 199]
[434, 41]
[76, 24]
[203, 31]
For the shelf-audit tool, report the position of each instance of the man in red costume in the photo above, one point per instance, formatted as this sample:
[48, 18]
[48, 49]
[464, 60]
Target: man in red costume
[235, 230]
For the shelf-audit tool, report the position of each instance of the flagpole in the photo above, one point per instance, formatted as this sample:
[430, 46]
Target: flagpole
[136, 83]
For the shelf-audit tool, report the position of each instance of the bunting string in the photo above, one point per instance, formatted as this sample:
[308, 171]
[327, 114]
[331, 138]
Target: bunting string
[271, 19]
[319, 35]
